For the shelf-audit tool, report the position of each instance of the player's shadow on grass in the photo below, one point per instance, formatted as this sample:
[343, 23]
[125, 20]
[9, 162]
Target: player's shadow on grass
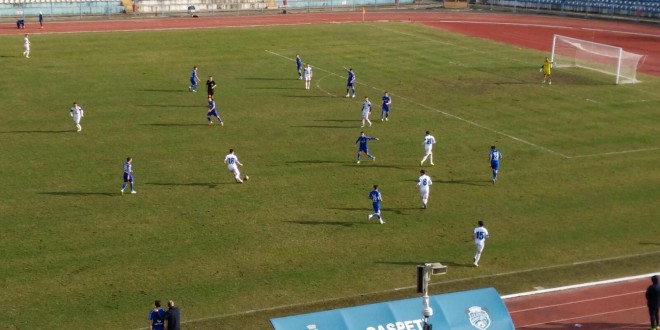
[466, 182]
[315, 162]
[191, 184]
[173, 124]
[350, 208]
[322, 126]
[306, 96]
[265, 78]
[10, 132]
[167, 90]
[649, 243]
[340, 120]
[78, 193]
[415, 263]
[370, 163]
[400, 210]
[327, 223]
[170, 106]
[274, 87]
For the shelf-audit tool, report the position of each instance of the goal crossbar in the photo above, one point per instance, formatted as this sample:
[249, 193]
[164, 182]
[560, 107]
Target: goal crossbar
[608, 59]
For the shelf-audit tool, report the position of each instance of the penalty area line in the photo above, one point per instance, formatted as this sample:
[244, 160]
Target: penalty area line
[447, 114]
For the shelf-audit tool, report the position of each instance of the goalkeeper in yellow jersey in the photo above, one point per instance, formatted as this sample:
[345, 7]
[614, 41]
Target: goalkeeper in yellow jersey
[546, 68]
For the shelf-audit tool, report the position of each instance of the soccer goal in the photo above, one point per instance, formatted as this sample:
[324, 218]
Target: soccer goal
[612, 60]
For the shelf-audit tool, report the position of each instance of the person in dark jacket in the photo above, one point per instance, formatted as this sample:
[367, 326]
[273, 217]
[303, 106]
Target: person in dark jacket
[653, 302]
[172, 317]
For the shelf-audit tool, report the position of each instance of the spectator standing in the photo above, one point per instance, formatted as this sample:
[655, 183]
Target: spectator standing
[172, 317]
[653, 302]
[41, 20]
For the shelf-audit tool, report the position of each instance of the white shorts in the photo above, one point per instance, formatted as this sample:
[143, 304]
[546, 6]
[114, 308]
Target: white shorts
[480, 246]
[308, 78]
[234, 169]
[428, 148]
[365, 114]
[76, 120]
[424, 193]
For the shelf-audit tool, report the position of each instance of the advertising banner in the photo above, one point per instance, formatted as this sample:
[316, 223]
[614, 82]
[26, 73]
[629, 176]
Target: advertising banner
[479, 309]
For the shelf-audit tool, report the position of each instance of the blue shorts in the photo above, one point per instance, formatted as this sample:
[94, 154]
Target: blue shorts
[495, 164]
[386, 108]
[193, 81]
[365, 150]
[213, 113]
[128, 177]
[376, 206]
[349, 84]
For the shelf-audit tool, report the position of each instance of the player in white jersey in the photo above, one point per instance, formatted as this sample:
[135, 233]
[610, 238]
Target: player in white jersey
[26, 46]
[428, 143]
[308, 76]
[232, 164]
[77, 113]
[128, 176]
[479, 235]
[424, 182]
[366, 110]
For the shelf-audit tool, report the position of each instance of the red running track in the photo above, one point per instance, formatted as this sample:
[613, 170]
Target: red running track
[532, 31]
[619, 305]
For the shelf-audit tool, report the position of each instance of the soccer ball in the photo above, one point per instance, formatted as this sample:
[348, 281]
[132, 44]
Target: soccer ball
[246, 178]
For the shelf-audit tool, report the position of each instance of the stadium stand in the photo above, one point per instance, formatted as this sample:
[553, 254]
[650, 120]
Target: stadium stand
[642, 8]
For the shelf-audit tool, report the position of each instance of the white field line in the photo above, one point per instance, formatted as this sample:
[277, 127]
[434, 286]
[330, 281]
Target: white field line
[474, 123]
[579, 317]
[475, 50]
[515, 272]
[583, 285]
[615, 153]
[318, 85]
[575, 302]
[444, 113]
[623, 32]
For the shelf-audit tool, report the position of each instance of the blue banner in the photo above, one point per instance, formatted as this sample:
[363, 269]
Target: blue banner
[467, 310]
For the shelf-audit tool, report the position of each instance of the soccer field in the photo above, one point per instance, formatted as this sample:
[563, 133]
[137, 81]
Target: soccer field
[577, 191]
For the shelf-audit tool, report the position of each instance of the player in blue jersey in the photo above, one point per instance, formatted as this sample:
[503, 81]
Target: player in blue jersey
[299, 66]
[376, 198]
[494, 158]
[194, 79]
[350, 82]
[128, 175]
[157, 317]
[363, 148]
[385, 108]
[213, 111]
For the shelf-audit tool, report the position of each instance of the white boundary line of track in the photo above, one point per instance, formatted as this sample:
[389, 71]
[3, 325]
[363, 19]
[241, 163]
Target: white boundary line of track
[578, 286]
[575, 302]
[515, 272]
[579, 317]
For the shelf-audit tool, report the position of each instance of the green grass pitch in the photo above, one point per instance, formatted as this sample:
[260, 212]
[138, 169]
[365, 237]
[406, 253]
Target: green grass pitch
[578, 182]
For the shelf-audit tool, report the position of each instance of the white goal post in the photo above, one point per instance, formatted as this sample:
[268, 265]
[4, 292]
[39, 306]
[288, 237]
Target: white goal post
[612, 60]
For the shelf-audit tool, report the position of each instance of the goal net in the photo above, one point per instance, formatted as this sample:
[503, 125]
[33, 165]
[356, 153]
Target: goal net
[612, 60]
